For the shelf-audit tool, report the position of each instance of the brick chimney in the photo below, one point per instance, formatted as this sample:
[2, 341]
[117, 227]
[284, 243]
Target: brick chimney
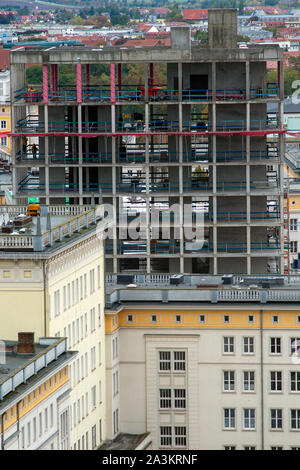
[25, 343]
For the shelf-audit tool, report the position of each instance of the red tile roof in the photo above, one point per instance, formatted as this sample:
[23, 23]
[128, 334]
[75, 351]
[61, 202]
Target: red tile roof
[195, 14]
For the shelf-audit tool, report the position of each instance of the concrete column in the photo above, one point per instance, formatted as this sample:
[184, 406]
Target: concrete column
[213, 81]
[247, 67]
[146, 83]
[147, 117]
[179, 82]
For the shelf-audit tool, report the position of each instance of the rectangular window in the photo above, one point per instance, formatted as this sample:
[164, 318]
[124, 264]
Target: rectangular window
[165, 398]
[94, 441]
[276, 418]
[180, 436]
[179, 360]
[85, 286]
[295, 381]
[295, 345]
[276, 381]
[92, 281]
[293, 225]
[229, 418]
[93, 358]
[226, 319]
[3, 124]
[275, 345]
[228, 345]
[177, 318]
[65, 297]
[3, 141]
[248, 381]
[93, 319]
[165, 436]
[179, 398]
[164, 361]
[293, 247]
[99, 276]
[249, 418]
[93, 391]
[295, 419]
[248, 345]
[201, 318]
[228, 381]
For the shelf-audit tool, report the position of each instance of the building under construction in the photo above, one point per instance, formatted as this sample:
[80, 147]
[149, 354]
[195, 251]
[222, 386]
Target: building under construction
[201, 141]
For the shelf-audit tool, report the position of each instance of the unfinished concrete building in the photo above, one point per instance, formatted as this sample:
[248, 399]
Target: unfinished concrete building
[201, 140]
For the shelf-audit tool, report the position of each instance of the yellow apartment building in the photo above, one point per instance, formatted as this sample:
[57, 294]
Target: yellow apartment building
[35, 395]
[52, 283]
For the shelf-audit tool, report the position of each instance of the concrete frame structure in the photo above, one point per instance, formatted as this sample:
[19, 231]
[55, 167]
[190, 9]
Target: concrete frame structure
[83, 151]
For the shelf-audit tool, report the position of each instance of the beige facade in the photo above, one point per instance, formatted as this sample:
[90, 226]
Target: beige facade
[225, 376]
[59, 291]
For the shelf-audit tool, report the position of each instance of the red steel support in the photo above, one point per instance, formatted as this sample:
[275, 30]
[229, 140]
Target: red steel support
[45, 83]
[119, 77]
[112, 83]
[79, 83]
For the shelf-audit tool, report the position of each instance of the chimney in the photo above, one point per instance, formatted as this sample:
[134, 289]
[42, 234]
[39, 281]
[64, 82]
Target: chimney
[25, 343]
[222, 28]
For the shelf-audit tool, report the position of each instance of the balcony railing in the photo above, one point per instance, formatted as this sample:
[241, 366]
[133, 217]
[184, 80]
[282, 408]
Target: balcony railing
[173, 247]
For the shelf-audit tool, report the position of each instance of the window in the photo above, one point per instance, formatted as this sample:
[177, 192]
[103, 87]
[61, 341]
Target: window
[275, 345]
[276, 448]
[276, 418]
[116, 421]
[229, 447]
[229, 418]
[228, 381]
[275, 319]
[40, 424]
[293, 247]
[23, 437]
[51, 415]
[4, 141]
[250, 318]
[94, 441]
[228, 345]
[177, 318]
[93, 320]
[180, 436]
[93, 358]
[100, 353]
[99, 315]
[129, 318]
[248, 381]
[179, 398]
[165, 436]
[28, 434]
[201, 318]
[295, 345]
[295, 381]
[164, 360]
[93, 391]
[248, 345]
[249, 447]
[179, 360]
[153, 318]
[276, 381]
[295, 419]
[99, 276]
[85, 286]
[226, 318]
[165, 398]
[92, 281]
[3, 124]
[249, 418]
[293, 225]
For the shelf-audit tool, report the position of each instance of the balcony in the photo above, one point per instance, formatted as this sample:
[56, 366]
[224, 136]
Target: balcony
[31, 124]
[172, 247]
